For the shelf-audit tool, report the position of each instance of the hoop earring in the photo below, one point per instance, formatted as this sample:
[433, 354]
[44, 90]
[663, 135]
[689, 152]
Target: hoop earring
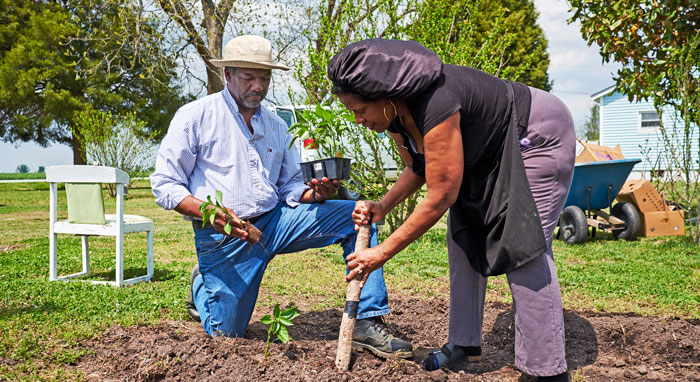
[395, 111]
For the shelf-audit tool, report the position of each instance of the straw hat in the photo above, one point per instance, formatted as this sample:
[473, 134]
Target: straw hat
[248, 51]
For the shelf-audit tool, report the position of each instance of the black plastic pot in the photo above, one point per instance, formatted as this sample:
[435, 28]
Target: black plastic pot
[331, 168]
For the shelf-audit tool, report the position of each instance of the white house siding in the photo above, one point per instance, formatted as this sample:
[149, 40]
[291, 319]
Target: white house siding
[620, 122]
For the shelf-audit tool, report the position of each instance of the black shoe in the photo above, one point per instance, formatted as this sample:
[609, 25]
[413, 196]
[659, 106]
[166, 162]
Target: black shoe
[451, 355]
[563, 377]
[372, 334]
[191, 308]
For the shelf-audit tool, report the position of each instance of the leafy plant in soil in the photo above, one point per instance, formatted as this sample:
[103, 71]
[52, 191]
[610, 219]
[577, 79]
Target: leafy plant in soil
[278, 323]
[211, 208]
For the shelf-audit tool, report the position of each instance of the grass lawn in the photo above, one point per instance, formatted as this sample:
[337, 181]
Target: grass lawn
[18, 175]
[41, 322]
[42, 175]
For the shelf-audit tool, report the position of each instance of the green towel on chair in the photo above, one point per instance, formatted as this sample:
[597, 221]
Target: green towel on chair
[85, 203]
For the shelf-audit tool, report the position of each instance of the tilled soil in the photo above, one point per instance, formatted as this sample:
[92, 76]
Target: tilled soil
[600, 347]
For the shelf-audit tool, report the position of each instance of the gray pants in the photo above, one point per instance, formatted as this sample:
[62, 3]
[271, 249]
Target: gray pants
[539, 319]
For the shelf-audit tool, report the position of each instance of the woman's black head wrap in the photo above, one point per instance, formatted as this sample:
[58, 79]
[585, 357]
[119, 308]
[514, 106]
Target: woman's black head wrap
[385, 69]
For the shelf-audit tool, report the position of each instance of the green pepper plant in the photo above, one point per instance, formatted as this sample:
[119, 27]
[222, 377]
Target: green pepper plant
[337, 134]
[209, 214]
[278, 323]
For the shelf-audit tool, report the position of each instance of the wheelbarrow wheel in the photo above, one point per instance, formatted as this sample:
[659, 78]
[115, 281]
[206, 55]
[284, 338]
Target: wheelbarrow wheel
[628, 213]
[348, 194]
[573, 226]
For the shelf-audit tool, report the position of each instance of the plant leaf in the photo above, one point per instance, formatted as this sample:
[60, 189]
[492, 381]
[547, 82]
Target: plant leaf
[276, 311]
[283, 335]
[212, 217]
[266, 319]
[276, 327]
[219, 196]
[227, 228]
[290, 313]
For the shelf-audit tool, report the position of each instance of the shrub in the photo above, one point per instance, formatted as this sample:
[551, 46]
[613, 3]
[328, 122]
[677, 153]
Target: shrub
[119, 141]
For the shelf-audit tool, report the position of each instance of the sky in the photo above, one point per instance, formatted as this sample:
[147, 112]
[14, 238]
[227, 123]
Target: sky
[576, 70]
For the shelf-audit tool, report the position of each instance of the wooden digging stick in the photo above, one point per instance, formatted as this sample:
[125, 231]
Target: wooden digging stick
[347, 326]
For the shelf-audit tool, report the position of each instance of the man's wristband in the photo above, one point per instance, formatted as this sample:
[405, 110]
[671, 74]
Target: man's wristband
[313, 197]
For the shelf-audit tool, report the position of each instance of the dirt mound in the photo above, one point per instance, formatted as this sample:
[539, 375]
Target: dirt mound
[603, 347]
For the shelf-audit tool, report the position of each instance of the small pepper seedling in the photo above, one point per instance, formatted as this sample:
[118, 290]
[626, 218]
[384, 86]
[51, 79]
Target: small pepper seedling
[278, 322]
[211, 208]
[209, 214]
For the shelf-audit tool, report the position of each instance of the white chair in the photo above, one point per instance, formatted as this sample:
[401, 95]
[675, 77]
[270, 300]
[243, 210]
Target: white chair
[86, 217]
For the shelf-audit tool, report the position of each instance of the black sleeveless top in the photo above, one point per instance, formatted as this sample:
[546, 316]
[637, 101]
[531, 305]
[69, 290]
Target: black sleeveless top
[494, 220]
[482, 102]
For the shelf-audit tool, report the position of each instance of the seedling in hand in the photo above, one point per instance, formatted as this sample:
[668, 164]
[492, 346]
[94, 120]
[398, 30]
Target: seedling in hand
[211, 208]
[278, 322]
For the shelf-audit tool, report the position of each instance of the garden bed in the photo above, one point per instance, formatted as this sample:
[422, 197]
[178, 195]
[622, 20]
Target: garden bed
[600, 347]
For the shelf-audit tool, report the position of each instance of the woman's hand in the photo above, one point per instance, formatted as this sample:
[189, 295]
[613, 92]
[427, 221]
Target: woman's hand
[365, 262]
[364, 209]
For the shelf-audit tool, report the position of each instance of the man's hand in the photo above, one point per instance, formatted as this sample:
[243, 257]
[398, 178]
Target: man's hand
[324, 189]
[192, 206]
[233, 220]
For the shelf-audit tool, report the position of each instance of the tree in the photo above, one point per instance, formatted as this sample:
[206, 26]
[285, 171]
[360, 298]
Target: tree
[41, 169]
[449, 28]
[479, 35]
[658, 45]
[22, 169]
[120, 141]
[335, 24]
[204, 24]
[205, 34]
[527, 51]
[503, 33]
[58, 59]
[591, 131]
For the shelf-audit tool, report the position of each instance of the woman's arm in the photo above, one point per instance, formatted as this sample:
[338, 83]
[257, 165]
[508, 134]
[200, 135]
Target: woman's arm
[444, 165]
[406, 184]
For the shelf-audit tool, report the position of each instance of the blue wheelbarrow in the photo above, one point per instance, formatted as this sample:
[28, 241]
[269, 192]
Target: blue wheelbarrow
[594, 187]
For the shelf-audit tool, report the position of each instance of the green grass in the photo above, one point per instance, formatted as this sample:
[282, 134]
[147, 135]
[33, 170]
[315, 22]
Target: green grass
[42, 175]
[42, 322]
[26, 175]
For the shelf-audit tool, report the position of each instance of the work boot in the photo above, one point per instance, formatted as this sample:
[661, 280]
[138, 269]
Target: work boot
[191, 308]
[373, 334]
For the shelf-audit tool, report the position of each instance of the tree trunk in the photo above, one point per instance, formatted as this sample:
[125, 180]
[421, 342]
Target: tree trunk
[209, 46]
[215, 81]
[78, 152]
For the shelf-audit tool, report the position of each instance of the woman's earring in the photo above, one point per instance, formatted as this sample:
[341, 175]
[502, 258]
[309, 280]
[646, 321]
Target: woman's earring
[395, 112]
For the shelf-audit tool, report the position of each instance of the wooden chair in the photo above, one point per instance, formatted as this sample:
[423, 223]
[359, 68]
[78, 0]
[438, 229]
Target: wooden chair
[86, 218]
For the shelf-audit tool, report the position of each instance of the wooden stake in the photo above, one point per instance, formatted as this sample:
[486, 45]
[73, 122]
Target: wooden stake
[347, 326]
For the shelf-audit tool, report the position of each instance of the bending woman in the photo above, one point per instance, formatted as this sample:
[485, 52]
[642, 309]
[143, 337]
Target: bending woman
[498, 155]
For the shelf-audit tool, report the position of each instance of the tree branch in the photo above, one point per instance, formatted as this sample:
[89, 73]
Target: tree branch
[177, 11]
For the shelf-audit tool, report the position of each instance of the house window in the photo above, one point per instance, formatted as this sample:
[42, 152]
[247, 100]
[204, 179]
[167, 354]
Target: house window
[649, 121]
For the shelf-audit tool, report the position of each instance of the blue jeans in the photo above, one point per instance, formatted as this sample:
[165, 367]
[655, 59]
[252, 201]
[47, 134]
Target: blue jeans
[231, 269]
